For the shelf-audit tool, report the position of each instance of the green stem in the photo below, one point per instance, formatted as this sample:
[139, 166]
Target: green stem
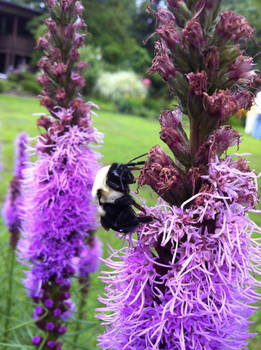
[10, 261]
[194, 138]
[80, 314]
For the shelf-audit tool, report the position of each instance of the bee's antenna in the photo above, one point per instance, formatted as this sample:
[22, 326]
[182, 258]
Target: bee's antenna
[134, 164]
[129, 162]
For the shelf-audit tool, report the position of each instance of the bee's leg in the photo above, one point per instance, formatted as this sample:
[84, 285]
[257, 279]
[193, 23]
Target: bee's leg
[136, 205]
[127, 221]
[124, 200]
[128, 200]
[145, 219]
[149, 218]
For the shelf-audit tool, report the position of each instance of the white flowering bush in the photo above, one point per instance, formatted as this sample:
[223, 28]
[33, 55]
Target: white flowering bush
[119, 85]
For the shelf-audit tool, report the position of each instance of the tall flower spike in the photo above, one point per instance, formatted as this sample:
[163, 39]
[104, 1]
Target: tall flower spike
[59, 214]
[13, 205]
[189, 280]
[12, 214]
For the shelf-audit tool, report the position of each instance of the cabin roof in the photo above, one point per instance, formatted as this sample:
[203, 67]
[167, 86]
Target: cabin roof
[16, 9]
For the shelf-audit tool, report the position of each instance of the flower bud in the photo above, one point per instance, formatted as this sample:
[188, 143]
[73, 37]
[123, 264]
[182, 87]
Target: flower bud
[43, 80]
[38, 311]
[164, 66]
[78, 8]
[58, 69]
[174, 136]
[36, 340]
[74, 55]
[57, 312]
[50, 344]
[172, 4]
[217, 144]
[164, 17]
[59, 346]
[60, 94]
[69, 31]
[49, 303]
[43, 64]
[51, 25]
[44, 122]
[47, 102]
[233, 26]
[65, 5]
[245, 99]
[82, 65]
[193, 34]
[62, 330]
[50, 3]
[197, 83]
[56, 53]
[224, 138]
[42, 43]
[79, 40]
[241, 68]
[161, 174]
[77, 80]
[49, 326]
[169, 34]
[222, 105]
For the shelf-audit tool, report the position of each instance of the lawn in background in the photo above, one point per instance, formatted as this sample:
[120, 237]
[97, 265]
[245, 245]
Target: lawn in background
[125, 137]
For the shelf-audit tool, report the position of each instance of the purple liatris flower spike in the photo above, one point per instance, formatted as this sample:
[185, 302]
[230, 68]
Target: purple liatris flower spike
[188, 282]
[59, 214]
[13, 205]
[194, 290]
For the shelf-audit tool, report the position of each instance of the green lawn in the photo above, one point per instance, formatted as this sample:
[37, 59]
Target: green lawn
[125, 137]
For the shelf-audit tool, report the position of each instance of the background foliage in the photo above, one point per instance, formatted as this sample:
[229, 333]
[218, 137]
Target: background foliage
[117, 30]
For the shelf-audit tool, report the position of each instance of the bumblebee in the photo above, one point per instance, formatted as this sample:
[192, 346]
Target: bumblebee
[111, 189]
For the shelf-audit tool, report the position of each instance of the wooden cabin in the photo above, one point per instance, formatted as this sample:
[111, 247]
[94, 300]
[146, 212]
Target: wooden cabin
[16, 42]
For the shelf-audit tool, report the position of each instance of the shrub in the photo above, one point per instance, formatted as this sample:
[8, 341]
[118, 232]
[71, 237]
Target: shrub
[16, 77]
[92, 55]
[20, 75]
[2, 86]
[129, 105]
[119, 85]
[31, 86]
[6, 85]
[139, 59]
[24, 80]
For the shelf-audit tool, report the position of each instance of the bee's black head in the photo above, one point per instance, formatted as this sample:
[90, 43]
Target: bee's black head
[119, 177]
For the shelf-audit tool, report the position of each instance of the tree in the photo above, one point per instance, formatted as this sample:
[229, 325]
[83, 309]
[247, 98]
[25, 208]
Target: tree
[251, 10]
[109, 26]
